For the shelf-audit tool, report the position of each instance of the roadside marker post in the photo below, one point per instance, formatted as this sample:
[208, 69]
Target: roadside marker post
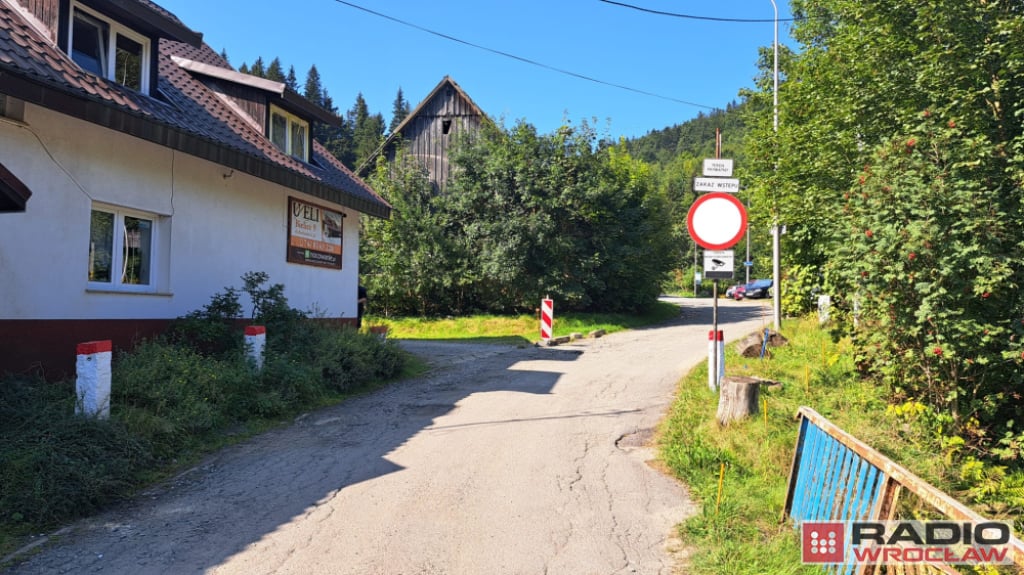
[547, 318]
[92, 378]
[716, 358]
[256, 343]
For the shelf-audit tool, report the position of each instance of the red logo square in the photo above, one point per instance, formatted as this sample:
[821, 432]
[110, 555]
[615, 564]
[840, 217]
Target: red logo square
[823, 542]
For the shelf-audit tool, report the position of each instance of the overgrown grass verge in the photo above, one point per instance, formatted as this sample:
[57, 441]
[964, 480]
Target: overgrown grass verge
[741, 531]
[519, 329]
[170, 405]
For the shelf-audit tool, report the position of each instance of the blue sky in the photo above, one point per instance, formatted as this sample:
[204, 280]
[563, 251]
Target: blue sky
[679, 60]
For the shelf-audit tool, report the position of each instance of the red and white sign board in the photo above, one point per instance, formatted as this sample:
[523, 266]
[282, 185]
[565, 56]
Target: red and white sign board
[547, 316]
[717, 221]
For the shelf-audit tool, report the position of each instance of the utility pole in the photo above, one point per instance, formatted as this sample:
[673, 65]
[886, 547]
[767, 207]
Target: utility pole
[776, 273]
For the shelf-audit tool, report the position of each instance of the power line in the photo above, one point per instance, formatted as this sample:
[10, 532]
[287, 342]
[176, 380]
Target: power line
[522, 59]
[704, 18]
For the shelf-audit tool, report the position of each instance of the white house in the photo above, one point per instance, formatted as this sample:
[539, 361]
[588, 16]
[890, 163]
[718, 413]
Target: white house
[140, 174]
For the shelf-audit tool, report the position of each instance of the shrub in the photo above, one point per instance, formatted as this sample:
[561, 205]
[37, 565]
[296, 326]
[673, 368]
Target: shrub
[212, 330]
[931, 222]
[171, 397]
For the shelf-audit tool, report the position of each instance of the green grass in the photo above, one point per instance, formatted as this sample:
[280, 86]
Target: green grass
[743, 532]
[518, 329]
[170, 405]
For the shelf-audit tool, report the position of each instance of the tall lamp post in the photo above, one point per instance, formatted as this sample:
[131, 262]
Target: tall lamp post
[776, 275]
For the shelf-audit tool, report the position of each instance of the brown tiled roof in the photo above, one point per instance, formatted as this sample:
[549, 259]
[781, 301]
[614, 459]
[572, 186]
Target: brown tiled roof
[192, 119]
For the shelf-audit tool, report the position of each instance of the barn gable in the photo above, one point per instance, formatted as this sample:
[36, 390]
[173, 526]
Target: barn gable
[428, 131]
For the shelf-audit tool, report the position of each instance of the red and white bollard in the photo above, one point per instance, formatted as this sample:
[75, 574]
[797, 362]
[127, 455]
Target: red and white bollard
[716, 358]
[547, 318]
[92, 379]
[255, 343]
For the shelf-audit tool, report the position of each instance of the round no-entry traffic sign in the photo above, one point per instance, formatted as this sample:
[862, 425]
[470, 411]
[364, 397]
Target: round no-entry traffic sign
[717, 221]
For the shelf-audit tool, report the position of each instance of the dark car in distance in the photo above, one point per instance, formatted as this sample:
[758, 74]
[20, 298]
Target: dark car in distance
[756, 289]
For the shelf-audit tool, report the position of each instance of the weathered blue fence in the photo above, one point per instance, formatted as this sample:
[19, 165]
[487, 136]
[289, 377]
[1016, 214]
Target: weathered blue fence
[836, 477]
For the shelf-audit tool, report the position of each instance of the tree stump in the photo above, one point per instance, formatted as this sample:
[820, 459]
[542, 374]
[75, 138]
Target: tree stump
[738, 398]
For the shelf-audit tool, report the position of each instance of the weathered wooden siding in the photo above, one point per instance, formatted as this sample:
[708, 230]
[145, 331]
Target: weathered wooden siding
[251, 101]
[429, 136]
[47, 11]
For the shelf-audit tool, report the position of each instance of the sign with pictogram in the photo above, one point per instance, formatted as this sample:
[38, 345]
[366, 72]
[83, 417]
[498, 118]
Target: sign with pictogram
[719, 264]
[716, 221]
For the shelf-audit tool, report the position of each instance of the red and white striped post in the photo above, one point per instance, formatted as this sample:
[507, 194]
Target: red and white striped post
[255, 343]
[716, 358]
[721, 354]
[92, 378]
[547, 318]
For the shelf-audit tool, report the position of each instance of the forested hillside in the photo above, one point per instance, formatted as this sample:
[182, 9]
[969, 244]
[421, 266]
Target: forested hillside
[694, 137]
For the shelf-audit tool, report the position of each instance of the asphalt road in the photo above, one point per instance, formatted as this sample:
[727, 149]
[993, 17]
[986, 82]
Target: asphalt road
[501, 460]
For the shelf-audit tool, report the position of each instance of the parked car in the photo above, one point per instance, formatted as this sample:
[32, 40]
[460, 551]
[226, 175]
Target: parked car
[735, 292]
[757, 289]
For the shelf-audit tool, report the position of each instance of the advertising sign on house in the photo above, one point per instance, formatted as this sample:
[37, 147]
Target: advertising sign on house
[314, 234]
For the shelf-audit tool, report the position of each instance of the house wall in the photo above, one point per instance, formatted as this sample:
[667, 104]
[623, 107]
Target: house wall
[216, 225]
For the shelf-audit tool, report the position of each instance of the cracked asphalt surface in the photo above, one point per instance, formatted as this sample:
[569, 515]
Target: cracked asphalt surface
[500, 460]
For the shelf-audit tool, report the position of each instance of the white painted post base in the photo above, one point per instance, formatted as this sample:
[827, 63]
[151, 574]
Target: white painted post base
[255, 343]
[716, 351]
[92, 382]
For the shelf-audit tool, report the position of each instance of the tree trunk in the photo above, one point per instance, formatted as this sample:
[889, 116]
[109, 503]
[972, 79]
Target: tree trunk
[737, 398]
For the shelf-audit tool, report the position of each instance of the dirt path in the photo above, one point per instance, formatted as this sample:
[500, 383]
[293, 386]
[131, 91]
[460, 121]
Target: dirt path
[502, 460]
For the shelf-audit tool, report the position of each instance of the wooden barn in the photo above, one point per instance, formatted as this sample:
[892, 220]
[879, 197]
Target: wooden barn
[428, 131]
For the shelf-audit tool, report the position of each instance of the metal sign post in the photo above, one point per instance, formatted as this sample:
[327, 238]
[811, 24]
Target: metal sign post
[716, 221]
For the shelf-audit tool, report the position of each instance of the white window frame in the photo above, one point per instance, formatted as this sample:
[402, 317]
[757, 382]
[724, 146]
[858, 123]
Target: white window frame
[291, 121]
[156, 252]
[114, 29]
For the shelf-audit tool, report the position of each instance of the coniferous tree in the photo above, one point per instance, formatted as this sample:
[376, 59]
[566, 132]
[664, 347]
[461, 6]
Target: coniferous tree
[224, 55]
[258, 68]
[291, 80]
[337, 139]
[314, 90]
[367, 129]
[274, 71]
[399, 110]
[244, 68]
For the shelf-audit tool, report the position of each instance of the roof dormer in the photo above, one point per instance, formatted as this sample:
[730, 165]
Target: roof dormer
[118, 39]
[283, 115]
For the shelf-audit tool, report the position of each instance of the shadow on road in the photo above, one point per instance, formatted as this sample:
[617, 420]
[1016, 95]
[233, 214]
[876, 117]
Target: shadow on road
[235, 498]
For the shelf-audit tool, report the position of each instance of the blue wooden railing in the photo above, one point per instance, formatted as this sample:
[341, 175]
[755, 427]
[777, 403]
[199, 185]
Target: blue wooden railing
[836, 477]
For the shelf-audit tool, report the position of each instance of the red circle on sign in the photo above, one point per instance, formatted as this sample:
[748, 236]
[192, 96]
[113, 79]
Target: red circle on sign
[717, 221]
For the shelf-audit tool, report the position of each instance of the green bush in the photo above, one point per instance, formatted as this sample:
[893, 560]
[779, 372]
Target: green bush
[925, 262]
[56, 465]
[212, 330]
[172, 395]
[172, 398]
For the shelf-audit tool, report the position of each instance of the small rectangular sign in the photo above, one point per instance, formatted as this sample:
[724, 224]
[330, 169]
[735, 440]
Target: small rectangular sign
[718, 167]
[718, 264]
[314, 234]
[731, 185]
